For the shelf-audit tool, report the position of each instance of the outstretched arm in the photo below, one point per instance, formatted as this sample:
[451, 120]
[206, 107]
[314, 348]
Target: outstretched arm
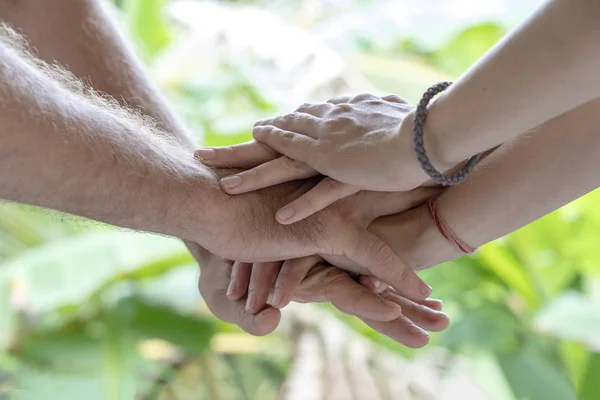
[59, 136]
[518, 183]
[544, 68]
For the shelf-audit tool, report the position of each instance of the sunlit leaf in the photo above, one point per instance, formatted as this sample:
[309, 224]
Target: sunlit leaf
[590, 388]
[574, 317]
[149, 320]
[147, 24]
[71, 270]
[467, 47]
[531, 376]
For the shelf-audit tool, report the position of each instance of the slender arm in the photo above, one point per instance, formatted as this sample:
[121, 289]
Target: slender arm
[518, 183]
[547, 66]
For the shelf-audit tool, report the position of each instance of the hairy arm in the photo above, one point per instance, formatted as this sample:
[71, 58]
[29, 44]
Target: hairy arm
[65, 147]
[518, 183]
[81, 35]
[545, 67]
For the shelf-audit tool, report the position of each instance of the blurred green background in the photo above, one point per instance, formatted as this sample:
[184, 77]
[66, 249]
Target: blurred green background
[90, 311]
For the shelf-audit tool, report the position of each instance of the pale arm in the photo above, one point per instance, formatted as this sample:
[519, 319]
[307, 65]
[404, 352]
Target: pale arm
[545, 67]
[518, 183]
[542, 69]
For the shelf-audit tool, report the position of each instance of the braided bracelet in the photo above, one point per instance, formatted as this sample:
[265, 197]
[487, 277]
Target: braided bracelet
[445, 230]
[419, 122]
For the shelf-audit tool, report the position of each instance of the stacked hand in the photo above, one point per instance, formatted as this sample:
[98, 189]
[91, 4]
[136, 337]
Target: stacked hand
[356, 142]
[300, 146]
[313, 281]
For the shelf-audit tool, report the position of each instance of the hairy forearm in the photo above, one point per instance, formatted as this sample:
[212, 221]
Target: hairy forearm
[65, 148]
[518, 183]
[547, 66]
[82, 36]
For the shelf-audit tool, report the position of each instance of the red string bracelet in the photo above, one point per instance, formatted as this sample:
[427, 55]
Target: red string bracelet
[446, 231]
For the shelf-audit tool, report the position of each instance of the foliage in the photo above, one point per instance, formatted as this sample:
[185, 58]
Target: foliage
[85, 308]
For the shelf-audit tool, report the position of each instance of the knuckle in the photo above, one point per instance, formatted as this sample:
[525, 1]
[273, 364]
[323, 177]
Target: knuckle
[267, 149]
[331, 184]
[382, 253]
[293, 165]
[342, 109]
[363, 97]
[303, 107]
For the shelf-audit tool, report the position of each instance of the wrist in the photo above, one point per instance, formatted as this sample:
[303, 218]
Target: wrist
[439, 153]
[188, 205]
[414, 237]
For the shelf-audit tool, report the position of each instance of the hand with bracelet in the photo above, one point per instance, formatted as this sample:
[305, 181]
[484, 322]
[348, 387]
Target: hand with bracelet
[517, 184]
[366, 142]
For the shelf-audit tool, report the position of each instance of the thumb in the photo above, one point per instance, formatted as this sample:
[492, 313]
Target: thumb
[371, 252]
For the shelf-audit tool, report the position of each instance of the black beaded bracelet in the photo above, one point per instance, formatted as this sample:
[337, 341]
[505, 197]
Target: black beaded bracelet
[419, 122]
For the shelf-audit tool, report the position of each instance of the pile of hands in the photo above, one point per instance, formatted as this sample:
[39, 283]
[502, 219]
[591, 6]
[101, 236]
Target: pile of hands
[331, 169]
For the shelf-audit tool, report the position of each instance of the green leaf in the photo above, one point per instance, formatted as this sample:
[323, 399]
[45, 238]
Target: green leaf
[488, 326]
[408, 77]
[148, 25]
[71, 270]
[467, 47]
[148, 320]
[8, 318]
[574, 317]
[590, 388]
[532, 377]
[498, 259]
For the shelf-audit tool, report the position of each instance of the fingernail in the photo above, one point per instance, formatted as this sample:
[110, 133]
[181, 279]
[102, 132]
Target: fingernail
[416, 331]
[377, 283]
[251, 302]
[436, 304]
[232, 288]
[285, 213]
[206, 154]
[392, 304]
[260, 316]
[277, 297]
[436, 316]
[230, 182]
[425, 289]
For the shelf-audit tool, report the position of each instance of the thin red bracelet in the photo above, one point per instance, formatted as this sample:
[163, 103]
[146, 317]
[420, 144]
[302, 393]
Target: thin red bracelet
[446, 231]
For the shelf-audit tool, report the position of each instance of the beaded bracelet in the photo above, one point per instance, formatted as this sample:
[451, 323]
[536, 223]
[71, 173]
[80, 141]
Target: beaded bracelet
[419, 122]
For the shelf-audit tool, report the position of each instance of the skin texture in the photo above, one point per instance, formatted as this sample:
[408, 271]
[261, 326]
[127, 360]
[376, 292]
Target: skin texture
[146, 179]
[83, 38]
[544, 68]
[518, 183]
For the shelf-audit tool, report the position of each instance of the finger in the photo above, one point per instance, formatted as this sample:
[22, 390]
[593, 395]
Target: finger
[402, 330]
[339, 100]
[423, 316]
[373, 284]
[371, 252]
[316, 109]
[298, 122]
[240, 277]
[361, 98]
[282, 169]
[434, 304]
[261, 281]
[290, 276]
[293, 145]
[392, 98]
[352, 298]
[379, 204]
[212, 284]
[326, 192]
[243, 155]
